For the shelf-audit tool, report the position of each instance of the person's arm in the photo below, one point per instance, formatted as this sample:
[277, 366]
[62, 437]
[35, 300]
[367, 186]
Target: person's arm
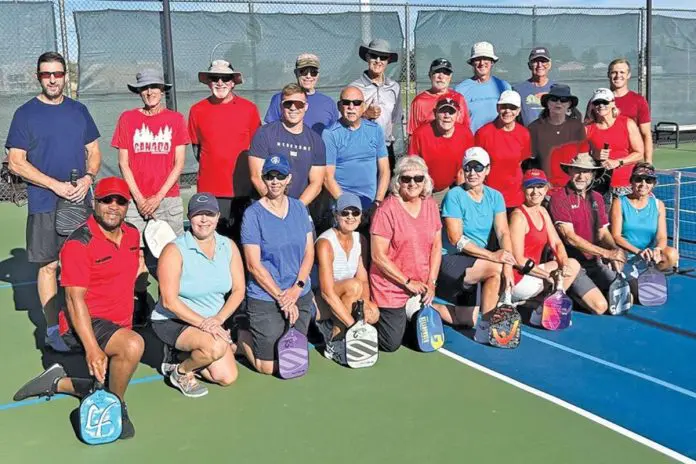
[555, 241]
[255, 167]
[330, 183]
[616, 227]
[290, 295]
[252, 256]
[454, 229]
[81, 322]
[397, 123]
[238, 286]
[127, 175]
[434, 266]
[173, 177]
[169, 268]
[92, 164]
[19, 165]
[379, 247]
[361, 273]
[316, 180]
[518, 230]
[637, 153]
[568, 235]
[503, 233]
[383, 173]
[325, 257]
[646, 135]
[661, 237]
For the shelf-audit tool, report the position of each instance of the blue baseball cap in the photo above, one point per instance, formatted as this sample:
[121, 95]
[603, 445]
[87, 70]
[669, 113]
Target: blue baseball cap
[277, 163]
[348, 200]
[203, 202]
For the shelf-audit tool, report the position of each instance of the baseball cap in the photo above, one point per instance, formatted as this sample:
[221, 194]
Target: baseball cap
[439, 64]
[307, 60]
[112, 186]
[348, 200]
[441, 103]
[510, 97]
[539, 52]
[482, 50]
[477, 154]
[603, 94]
[200, 202]
[278, 163]
[534, 177]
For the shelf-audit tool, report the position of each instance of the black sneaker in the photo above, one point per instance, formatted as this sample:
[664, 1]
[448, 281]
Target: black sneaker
[127, 427]
[45, 384]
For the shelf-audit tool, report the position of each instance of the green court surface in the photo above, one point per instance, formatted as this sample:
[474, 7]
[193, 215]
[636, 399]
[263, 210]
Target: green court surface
[668, 157]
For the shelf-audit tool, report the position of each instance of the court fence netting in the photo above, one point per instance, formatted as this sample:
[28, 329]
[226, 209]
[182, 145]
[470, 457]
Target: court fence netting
[677, 189]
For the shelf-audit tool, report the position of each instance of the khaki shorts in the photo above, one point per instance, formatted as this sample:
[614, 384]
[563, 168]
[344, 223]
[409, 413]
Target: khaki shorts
[171, 211]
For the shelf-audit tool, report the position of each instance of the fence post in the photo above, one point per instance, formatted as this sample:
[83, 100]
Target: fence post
[408, 60]
[648, 52]
[534, 26]
[64, 44]
[641, 51]
[168, 51]
[677, 208]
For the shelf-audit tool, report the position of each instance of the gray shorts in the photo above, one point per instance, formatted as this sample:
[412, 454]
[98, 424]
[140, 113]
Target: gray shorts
[391, 328]
[171, 211]
[169, 330]
[593, 275]
[450, 280]
[43, 242]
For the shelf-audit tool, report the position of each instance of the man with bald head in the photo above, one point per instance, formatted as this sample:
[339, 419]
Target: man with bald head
[356, 153]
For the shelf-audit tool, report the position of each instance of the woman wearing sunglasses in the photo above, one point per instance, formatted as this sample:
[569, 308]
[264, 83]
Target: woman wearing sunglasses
[195, 273]
[277, 236]
[639, 223]
[342, 275]
[406, 243]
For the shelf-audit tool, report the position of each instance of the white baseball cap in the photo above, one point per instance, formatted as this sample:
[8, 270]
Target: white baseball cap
[482, 49]
[476, 154]
[510, 97]
[603, 94]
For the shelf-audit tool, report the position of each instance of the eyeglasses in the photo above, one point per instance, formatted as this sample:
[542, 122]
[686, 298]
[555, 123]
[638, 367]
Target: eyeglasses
[345, 102]
[555, 99]
[376, 57]
[474, 166]
[48, 74]
[314, 72]
[646, 179]
[107, 200]
[600, 103]
[350, 212]
[288, 104]
[221, 77]
[269, 176]
[540, 61]
[408, 179]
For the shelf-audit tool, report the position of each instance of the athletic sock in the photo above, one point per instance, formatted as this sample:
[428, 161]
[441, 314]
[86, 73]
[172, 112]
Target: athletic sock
[82, 386]
[482, 329]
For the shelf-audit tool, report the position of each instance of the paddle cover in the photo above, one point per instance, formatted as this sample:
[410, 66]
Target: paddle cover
[619, 296]
[100, 417]
[557, 310]
[652, 287]
[505, 329]
[157, 235]
[292, 354]
[361, 345]
[429, 331]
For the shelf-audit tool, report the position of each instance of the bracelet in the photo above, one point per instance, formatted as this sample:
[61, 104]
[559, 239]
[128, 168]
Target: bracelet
[462, 242]
[94, 178]
[408, 281]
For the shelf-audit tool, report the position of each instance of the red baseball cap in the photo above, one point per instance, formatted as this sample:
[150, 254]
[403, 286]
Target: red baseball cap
[534, 177]
[112, 186]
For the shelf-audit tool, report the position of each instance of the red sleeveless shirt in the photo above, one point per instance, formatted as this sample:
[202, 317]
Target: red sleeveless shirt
[619, 147]
[534, 242]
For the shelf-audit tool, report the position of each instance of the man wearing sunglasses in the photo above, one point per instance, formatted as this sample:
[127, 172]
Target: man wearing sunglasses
[423, 106]
[221, 128]
[292, 138]
[536, 86]
[50, 136]
[382, 94]
[321, 112]
[99, 267]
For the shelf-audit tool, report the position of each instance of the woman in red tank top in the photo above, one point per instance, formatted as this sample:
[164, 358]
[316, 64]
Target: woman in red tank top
[531, 230]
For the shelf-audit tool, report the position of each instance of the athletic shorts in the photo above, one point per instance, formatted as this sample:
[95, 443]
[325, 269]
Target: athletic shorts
[527, 288]
[103, 331]
[450, 280]
[391, 328]
[169, 330]
[43, 242]
[171, 211]
[266, 323]
[593, 275]
[231, 213]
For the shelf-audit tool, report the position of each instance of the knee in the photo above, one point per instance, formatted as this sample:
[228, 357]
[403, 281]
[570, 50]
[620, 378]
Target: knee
[372, 316]
[671, 255]
[599, 305]
[264, 367]
[389, 346]
[494, 271]
[228, 379]
[218, 349]
[574, 265]
[354, 288]
[134, 347]
[49, 269]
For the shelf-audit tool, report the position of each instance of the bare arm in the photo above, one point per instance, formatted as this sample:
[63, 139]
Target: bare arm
[255, 166]
[252, 255]
[646, 135]
[128, 176]
[173, 177]
[567, 234]
[316, 180]
[555, 241]
[518, 230]
[81, 322]
[325, 256]
[383, 173]
[361, 274]
[637, 153]
[380, 246]
[238, 286]
[661, 237]
[18, 164]
[330, 183]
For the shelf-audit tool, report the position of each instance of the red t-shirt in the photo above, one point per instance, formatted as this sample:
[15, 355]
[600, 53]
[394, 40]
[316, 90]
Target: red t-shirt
[223, 131]
[561, 154]
[534, 242]
[410, 242]
[151, 142]
[507, 150]
[90, 260]
[442, 155]
[619, 147]
[423, 109]
[633, 105]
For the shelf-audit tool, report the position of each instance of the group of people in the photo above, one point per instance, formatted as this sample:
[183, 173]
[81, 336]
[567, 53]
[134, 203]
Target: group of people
[498, 192]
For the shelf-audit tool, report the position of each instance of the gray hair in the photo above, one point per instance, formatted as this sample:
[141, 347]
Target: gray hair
[407, 163]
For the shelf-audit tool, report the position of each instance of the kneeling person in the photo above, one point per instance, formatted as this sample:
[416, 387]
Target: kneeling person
[196, 271]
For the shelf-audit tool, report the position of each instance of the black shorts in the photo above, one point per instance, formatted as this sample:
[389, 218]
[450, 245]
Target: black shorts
[103, 331]
[231, 213]
[391, 328]
[450, 280]
[168, 330]
[43, 242]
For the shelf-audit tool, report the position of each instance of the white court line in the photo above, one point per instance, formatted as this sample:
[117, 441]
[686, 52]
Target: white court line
[571, 407]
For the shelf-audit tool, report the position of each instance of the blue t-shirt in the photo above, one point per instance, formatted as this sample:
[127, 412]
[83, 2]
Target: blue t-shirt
[482, 99]
[477, 217]
[54, 137]
[321, 113]
[639, 226]
[282, 243]
[304, 150]
[531, 100]
[355, 154]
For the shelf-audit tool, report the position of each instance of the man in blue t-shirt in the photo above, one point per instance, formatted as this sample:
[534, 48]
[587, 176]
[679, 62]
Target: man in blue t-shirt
[321, 112]
[51, 135]
[483, 89]
[294, 139]
[536, 86]
[356, 154]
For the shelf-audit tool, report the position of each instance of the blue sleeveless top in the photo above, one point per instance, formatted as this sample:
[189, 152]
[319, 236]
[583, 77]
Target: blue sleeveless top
[204, 282]
[639, 225]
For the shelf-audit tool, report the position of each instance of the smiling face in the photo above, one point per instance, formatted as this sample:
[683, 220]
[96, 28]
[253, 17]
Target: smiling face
[642, 185]
[619, 75]
[475, 173]
[221, 86]
[110, 211]
[348, 220]
[294, 107]
[445, 117]
[409, 187]
[307, 78]
[203, 224]
[603, 108]
[152, 95]
[581, 179]
[507, 113]
[558, 107]
[534, 194]
[276, 183]
[377, 63]
[482, 67]
[348, 105]
[440, 80]
[540, 67]
[52, 86]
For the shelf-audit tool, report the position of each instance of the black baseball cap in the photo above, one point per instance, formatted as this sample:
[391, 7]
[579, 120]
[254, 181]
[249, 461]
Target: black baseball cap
[440, 64]
[539, 52]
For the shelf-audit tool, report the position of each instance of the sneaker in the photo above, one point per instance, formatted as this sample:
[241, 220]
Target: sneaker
[168, 361]
[45, 384]
[127, 427]
[482, 332]
[535, 318]
[335, 351]
[187, 383]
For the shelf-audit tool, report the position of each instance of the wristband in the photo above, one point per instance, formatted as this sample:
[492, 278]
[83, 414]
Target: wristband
[462, 242]
[528, 266]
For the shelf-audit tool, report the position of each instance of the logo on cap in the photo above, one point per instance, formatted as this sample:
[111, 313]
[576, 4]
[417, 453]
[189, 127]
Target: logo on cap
[275, 160]
[202, 198]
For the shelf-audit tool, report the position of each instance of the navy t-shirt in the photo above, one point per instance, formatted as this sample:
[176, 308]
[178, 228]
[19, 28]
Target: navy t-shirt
[304, 150]
[321, 112]
[54, 137]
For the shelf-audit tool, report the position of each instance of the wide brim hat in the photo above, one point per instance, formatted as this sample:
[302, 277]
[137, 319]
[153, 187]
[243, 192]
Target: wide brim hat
[220, 68]
[380, 46]
[148, 77]
[560, 91]
[482, 50]
[581, 161]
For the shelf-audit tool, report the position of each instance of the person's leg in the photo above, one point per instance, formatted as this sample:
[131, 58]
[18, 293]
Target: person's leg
[489, 275]
[391, 328]
[224, 370]
[52, 381]
[124, 349]
[349, 291]
[392, 157]
[47, 287]
[461, 295]
[586, 293]
[265, 326]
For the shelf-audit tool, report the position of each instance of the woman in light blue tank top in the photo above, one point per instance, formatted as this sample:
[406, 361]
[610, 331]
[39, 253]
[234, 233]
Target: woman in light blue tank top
[195, 273]
[639, 224]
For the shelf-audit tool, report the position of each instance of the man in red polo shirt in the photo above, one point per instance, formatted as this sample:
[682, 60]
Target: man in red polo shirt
[99, 266]
[442, 144]
[221, 129]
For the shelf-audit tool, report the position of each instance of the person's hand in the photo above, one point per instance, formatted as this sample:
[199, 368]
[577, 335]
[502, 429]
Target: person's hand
[209, 323]
[616, 255]
[657, 255]
[416, 287]
[371, 311]
[289, 296]
[610, 164]
[509, 277]
[150, 205]
[373, 112]
[565, 271]
[504, 257]
[291, 313]
[604, 154]
[429, 295]
[64, 190]
[647, 255]
[81, 189]
[96, 363]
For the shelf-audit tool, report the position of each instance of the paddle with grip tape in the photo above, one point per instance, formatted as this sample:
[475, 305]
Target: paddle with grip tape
[505, 324]
[619, 295]
[558, 307]
[292, 352]
[430, 334]
[157, 235]
[652, 287]
[100, 416]
[361, 341]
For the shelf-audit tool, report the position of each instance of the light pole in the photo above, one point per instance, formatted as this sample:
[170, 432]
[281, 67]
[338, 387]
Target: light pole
[648, 51]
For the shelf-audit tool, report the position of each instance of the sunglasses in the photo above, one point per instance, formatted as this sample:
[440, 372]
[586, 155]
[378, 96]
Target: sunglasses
[350, 212]
[507, 106]
[345, 102]
[288, 104]
[48, 74]
[107, 200]
[559, 99]
[447, 109]
[314, 72]
[374, 56]
[408, 179]
[446, 72]
[221, 77]
[274, 175]
[600, 103]
[646, 179]
[478, 167]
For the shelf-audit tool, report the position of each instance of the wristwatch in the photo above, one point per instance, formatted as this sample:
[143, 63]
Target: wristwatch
[621, 162]
[94, 178]
[300, 283]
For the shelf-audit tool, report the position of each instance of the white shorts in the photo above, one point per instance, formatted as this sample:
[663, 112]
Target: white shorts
[527, 288]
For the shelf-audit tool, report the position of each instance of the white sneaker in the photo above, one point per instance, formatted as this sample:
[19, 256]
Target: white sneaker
[482, 332]
[535, 318]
